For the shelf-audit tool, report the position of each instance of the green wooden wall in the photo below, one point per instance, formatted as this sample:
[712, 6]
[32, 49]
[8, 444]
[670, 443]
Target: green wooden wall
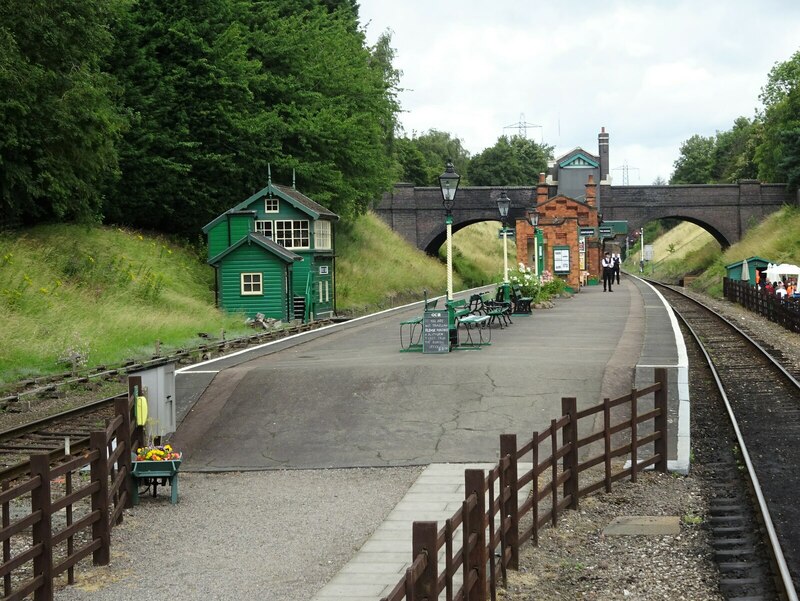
[250, 258]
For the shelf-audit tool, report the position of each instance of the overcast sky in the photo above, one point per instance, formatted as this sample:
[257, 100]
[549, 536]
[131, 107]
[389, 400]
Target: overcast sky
[653, 73]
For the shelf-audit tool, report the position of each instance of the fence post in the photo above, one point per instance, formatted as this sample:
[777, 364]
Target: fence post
[509, 482]
[634, 433]
[101, 529]
[474, 525]
[41, 531]
[424, 535]
[122, 407]
[535, 491]
[607, 441]
[660, 423]
[569, 406]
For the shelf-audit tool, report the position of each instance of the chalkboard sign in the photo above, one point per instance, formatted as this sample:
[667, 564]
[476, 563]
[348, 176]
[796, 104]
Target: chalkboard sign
[435, 332]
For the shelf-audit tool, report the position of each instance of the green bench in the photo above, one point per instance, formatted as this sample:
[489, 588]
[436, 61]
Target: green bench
[413, 329]
[472, 322]
[522, 304]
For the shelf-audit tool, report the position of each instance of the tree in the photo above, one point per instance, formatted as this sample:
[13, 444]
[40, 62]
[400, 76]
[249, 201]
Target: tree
[58, 109]
[514, 161]
[436, 147]
[659, 181]
[694, 164]
[777, 153]
[734, 152]
[186, 75]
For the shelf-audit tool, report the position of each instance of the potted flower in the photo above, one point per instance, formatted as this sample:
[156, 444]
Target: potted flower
[154, 464]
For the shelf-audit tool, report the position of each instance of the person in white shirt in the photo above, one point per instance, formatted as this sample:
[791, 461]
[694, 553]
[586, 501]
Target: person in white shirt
[780, 290]
[608, 272]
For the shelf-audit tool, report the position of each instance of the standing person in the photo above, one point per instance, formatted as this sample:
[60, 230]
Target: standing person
[616, 259]
[608, 272]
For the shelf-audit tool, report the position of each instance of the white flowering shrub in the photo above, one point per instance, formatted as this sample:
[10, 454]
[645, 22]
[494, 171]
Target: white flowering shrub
[524, 278]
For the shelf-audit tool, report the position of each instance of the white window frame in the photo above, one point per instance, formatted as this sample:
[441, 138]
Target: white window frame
[322, 235]
[324, 297]
[255, 279]
[271, 205]
[262, 230]
[295, 238]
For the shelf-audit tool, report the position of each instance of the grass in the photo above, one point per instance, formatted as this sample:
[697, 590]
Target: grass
[99, 294]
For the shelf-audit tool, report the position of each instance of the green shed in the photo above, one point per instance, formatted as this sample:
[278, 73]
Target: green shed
[273, 253]
[734, 270]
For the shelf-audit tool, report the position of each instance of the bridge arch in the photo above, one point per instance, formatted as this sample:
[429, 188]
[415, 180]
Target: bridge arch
[439, 238]
[724, 210]
[718, 236]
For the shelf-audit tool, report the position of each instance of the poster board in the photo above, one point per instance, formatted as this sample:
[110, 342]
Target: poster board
[561, 259]
[435, 332]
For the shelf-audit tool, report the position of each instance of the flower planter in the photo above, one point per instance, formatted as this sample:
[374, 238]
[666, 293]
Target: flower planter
[152, 473]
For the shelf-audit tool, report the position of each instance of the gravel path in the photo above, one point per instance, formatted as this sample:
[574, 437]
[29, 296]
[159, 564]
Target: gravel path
[285, 532]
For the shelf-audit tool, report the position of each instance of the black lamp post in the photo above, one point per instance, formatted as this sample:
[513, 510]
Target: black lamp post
[533, 217]
[503, 205]
[448, 182]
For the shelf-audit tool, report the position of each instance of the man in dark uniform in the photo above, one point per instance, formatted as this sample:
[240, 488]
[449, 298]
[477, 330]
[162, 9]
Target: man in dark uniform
[616, 259]
[608, 272]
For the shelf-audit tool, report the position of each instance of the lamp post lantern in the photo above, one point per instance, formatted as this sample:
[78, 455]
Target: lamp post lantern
[533, 217]
[448, 182]
[503, 205]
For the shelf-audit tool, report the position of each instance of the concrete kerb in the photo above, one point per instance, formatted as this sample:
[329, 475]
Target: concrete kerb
[678, 378]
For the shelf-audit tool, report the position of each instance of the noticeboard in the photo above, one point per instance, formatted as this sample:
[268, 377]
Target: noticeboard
[435, 332]
[561, 260]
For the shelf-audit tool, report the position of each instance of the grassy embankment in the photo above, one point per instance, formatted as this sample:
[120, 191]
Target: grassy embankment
[109, 293]
[689, 250]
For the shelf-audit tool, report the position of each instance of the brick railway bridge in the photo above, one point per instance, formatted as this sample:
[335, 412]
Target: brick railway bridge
[726, 211]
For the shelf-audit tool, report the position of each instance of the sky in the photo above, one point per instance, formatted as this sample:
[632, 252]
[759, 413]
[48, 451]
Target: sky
[652, 72]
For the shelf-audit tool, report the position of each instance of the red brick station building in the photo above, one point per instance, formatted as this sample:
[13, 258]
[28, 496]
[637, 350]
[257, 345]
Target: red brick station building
[567, 239]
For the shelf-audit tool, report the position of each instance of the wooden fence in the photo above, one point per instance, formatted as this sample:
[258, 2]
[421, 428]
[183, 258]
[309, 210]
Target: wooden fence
[497, 503]
[62, 513]
[783, 311]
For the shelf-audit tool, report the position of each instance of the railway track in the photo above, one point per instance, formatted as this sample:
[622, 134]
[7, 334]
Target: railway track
[755, 513]
[66, 433]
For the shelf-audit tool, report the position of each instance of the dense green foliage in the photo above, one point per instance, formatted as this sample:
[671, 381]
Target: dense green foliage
[59, 115]
[512, 161]
[164, 115]
[422, 159]
[766, 147]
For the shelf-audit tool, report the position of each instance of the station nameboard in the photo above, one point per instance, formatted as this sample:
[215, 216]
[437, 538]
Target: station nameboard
[588, 232]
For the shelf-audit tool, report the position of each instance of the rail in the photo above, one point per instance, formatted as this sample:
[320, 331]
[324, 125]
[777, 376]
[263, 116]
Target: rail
[488, 521]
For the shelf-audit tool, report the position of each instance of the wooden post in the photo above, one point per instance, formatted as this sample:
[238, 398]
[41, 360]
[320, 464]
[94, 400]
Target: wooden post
[607, 441]
[41, 531]
[569, 406]
[6, 542]
[424, 536]
[101, 529]
[554, 471]
[475, 555]
[122, 407]
[509, 482]
[535, 484]
[634, 433]
[660, 422]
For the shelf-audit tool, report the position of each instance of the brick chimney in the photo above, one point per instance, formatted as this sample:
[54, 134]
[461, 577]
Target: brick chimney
[542, 190]
[602, 149]
[591, 192]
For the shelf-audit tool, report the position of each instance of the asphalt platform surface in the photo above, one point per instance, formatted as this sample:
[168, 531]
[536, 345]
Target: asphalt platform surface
[346, 397]
[351, 399]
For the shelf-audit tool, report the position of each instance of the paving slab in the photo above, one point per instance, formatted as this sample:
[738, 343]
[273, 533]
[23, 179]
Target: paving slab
[646, 525]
